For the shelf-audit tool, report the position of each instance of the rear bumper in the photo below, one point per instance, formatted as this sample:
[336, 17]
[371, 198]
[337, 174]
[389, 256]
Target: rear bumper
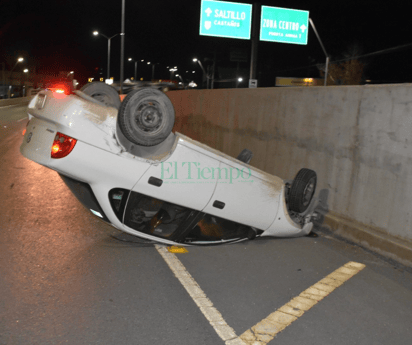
[85, 195]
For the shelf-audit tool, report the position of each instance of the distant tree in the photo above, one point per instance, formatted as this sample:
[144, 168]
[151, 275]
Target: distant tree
[348, 72]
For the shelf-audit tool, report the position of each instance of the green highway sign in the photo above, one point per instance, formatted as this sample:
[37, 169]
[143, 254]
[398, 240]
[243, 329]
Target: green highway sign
[284, 25]
[225, 19]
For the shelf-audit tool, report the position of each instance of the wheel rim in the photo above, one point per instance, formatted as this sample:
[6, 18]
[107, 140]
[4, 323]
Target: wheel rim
[148, 117]
[308, 192]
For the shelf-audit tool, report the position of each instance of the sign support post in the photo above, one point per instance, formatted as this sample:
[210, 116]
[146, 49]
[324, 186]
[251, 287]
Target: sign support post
[255, 40]
[324, 50]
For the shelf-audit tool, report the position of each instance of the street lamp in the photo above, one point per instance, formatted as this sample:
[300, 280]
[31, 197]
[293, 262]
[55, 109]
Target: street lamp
[153, 68]
[172, 70]
[180, 77]
[204, 72]
[97, 33]
[24, 84]
[239, 80]
[20, 59]
[135, 68]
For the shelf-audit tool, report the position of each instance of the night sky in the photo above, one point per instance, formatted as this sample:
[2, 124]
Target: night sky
[57, 35]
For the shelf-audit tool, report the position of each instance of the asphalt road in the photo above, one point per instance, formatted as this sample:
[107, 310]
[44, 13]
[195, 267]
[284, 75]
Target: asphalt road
[68, 278]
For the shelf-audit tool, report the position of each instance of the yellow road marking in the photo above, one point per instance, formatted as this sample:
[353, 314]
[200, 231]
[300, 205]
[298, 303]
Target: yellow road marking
[180, 250]
[266, 330]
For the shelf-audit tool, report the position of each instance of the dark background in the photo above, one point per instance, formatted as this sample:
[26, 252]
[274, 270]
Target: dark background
[57, 36]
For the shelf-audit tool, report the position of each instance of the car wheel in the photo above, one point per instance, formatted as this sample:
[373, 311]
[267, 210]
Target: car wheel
[146, 116]
[103, 93]
[302, 190]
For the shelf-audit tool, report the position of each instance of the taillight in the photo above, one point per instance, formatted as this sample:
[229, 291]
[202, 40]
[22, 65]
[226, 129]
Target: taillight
[24, 130]
[62, 145]
[60, 91]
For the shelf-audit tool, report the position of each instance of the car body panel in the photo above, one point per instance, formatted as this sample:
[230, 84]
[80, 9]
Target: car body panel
[248, 199]
[181, 184]
[190, 174]
[38, 140]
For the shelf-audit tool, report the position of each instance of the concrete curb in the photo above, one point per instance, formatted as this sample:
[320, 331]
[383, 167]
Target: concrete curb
[371, 238]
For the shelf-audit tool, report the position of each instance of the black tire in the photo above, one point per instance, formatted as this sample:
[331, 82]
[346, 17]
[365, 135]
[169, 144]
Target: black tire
[146, 116]
[302, 190]
[103, 93]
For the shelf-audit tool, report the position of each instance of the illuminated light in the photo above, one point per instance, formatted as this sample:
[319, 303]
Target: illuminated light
[60, 91]
[96, 213]
[24, 131]
[62, 145]
[55, 148]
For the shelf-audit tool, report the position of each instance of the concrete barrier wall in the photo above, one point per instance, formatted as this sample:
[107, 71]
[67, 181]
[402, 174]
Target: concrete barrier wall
[357, 139]
[14, 101]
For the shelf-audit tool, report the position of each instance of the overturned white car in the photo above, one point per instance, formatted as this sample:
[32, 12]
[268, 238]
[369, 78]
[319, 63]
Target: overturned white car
[124, 163]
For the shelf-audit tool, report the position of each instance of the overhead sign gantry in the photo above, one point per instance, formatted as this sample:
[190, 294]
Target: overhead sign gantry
[284, 25]
[234, 20]
[225, 19]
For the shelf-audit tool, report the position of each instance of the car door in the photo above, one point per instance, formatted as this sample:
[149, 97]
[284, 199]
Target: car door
[182, 179]
[244, 195]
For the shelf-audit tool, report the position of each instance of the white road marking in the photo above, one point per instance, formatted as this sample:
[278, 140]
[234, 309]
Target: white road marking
[223, 330]
[264, 331]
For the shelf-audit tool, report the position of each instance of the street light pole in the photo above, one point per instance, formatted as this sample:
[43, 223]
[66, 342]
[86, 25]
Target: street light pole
[108, 49]
[135, 68]
[172, 70]
[122, 49]
[20, 59]
[135, 71]
[204, 72]
[24, 83]
[108, 57]
[153, 69]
